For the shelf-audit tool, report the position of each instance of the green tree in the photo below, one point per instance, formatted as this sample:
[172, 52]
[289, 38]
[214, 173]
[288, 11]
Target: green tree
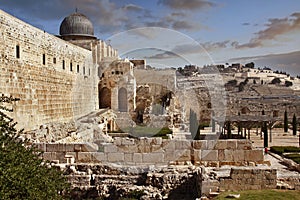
[276, 81]
[295, 125]
[285, 122]
[23, 174]
[288, 83]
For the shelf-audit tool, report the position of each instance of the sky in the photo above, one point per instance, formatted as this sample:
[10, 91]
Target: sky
[173, 33]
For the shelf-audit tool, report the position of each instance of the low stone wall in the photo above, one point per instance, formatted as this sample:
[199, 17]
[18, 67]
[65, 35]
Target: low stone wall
[149, 151]
[239, 178]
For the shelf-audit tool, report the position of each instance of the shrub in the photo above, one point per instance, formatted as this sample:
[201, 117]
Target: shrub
[23, 175]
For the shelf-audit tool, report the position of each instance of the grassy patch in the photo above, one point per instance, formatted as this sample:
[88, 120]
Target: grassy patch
[263, 195]
[295, 157]
[163, 133]
[284, 149]
[142, 131]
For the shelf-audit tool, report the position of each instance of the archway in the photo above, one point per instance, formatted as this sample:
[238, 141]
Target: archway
[104, 98]
[122, 100]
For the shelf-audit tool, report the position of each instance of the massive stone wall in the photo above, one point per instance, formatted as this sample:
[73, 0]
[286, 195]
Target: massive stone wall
[55, 80]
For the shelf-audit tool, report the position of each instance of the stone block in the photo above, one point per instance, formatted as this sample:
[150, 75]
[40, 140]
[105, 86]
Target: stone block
[221, 145]
[244, 145]
[170, 156]
[89, 147]
[254, 155]
[183, 155]
[221, 155]
[115, 157]
[49, 156]
[196, 155]
[98, 157]
[211, 144]
[61, 157]
[228, 155]
[168, 145]
[153, 157]
[156, 148]
[69, 147]
[40, 146]
[110, 148]
[73, 154]
[209, 155]
[84, 157]
[53, 147]
[199, 144]
[182, 144]
[137, 157]
[128, 157]
[118, 141]
[157, 141]
[77, 147]
[129, 148]
[231, 144]
[144, 148]
[127, 141]
[238, 155]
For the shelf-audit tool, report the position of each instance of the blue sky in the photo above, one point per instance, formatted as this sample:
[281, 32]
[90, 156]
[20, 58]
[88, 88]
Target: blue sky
[266, 32]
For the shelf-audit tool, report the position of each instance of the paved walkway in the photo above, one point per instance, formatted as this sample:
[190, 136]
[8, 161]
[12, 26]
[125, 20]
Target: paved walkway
[279, 138]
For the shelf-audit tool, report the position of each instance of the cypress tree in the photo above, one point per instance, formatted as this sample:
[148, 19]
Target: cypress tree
[294, 125]
[265, 131]
[229, 129]
[285, 121]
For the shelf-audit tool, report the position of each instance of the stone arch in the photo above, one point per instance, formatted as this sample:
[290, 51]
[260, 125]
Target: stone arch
[104, 98]
[122, 100]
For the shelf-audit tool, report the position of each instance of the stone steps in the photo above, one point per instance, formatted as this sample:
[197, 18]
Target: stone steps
[182, 136]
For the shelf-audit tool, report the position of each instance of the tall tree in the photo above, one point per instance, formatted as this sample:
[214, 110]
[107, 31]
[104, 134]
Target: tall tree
[295, 125]
[285, 122]
[23, 174]
[265, 131]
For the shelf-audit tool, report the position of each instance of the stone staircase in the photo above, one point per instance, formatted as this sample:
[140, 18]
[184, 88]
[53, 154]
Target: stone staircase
[179, 134]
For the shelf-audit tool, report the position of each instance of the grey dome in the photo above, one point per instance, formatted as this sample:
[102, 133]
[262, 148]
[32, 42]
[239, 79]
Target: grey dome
[76, 24]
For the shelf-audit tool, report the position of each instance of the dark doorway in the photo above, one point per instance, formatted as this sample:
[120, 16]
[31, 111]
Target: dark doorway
[122, 100]
[104, 98]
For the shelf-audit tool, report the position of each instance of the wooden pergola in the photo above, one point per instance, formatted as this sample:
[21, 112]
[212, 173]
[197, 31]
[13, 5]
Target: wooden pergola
[244, 123]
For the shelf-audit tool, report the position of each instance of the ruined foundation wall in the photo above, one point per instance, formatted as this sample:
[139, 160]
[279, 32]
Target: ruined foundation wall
[157, 151]
[55, 80]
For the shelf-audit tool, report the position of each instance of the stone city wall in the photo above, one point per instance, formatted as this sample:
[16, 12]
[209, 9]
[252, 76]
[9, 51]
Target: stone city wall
[157, 151]
[55, 80]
